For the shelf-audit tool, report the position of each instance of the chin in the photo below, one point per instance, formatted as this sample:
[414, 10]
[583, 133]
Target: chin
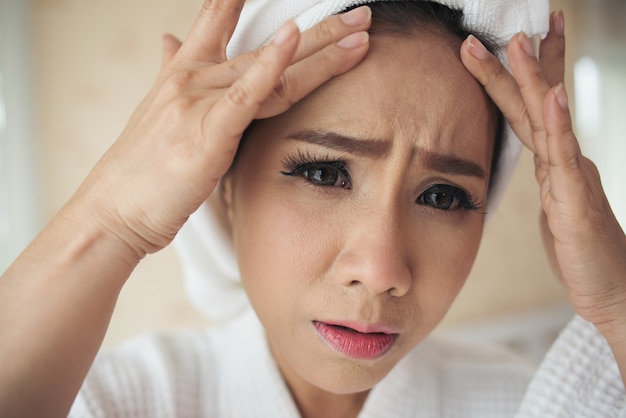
[347, 376]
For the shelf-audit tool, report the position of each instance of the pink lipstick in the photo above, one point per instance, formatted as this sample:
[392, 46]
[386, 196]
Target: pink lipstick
[365, 344]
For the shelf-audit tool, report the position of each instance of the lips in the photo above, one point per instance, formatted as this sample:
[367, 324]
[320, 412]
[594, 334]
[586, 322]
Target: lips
[365, 344]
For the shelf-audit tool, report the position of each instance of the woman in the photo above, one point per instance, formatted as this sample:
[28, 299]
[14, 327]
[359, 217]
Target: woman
[355, 215]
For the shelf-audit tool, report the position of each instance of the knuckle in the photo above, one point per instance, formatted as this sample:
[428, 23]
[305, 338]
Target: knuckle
[256, 54]
[532, 79]
[285, 86]
[571, 162]
[179, 81]
[518, 112]
[213, 6]
[497, 75]
[174, 95]
[536, 126]
[241, 93]
[324, 31]
[500, 72]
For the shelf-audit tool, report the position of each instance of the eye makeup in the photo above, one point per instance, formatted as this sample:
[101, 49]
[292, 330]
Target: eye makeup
[446, 197]
[319, 171]
[324, 171]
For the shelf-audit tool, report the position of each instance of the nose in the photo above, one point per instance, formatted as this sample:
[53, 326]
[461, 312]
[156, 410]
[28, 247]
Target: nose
[375, 256]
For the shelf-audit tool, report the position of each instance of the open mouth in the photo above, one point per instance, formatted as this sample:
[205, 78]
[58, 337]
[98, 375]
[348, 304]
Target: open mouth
[353, 343]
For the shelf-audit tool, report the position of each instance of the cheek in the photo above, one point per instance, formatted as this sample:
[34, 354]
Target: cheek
[446, 259]
[281, 247]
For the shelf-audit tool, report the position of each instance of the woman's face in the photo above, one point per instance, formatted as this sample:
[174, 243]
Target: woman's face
[356, 216]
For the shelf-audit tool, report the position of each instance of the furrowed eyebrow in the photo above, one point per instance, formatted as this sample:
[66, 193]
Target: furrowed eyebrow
[450, 164]
[443, 163]
[349, 144]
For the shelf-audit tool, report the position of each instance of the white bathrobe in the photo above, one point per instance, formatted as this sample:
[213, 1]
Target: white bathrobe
[228, 371]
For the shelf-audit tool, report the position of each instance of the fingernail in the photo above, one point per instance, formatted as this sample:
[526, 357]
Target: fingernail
[558, 23]
[476, 48]
[285, 32]
[354, 40]
[357, 17]
[526, 44]
[561, 97]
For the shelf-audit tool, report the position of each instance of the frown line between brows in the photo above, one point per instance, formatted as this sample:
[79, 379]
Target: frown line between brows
[376, 148]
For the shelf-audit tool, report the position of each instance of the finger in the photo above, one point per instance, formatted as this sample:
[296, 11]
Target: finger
[212, 30]
[563, 148]
[305, 76]
[332, 30]
[552, 50]
[529, 77]
[533, 87]
[170, 46]
[567, 182]
[301, 78]
[237, 108]
[326, 33]
[499, 85]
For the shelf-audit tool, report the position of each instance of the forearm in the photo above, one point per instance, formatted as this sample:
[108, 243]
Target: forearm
[56, 301]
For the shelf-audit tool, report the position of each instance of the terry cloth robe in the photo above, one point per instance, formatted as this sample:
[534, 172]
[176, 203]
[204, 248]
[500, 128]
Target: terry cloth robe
[228, 371]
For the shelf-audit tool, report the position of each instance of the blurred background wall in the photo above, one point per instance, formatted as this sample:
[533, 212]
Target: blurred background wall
[93, 61]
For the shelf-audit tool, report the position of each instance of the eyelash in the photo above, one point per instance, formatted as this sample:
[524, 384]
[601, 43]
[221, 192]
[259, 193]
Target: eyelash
[303, 163]
[460, 199]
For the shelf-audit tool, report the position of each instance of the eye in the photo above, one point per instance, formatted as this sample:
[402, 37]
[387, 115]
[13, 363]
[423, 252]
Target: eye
[319, 172]
[448, 198]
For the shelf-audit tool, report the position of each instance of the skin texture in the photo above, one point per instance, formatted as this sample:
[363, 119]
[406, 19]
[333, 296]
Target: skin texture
[367, 253]
[57, 297]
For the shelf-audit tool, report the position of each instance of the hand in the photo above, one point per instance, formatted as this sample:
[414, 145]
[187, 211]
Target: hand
[584, 235]
[183, 136]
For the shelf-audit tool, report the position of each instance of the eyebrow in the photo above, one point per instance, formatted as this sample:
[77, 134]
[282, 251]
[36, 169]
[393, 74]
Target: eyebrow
[443, 163]
[450, 164]
[349, 144]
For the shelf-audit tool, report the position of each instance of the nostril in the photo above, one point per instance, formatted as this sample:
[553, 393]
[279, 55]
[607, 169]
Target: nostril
[374, 269]
[393, 291]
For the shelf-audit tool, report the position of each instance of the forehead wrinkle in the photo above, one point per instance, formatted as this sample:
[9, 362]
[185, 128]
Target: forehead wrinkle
[367, 147]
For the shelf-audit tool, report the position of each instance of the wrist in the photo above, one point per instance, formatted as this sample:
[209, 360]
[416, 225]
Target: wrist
[93, 228]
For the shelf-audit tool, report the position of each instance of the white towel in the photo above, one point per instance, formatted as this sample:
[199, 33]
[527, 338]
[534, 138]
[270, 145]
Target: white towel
[209, 265]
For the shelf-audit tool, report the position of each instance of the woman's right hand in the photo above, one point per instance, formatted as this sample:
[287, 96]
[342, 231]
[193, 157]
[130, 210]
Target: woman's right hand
[183, 136]
[57, 298]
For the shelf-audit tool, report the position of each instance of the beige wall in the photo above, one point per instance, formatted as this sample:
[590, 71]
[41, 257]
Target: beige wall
[95, 61]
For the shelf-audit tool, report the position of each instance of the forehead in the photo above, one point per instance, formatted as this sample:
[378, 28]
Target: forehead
[411, 90]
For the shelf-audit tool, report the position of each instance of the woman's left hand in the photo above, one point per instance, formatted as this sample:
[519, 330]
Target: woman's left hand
[587, 242]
